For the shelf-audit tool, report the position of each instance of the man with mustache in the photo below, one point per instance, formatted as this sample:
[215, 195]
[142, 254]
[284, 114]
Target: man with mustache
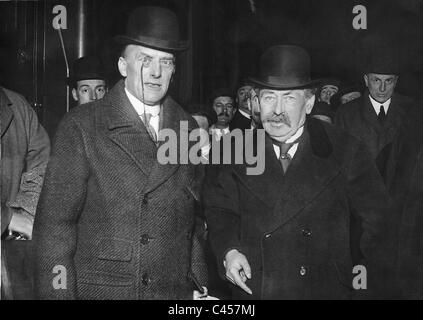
[117, 222]
[285, 234]
[223, 104]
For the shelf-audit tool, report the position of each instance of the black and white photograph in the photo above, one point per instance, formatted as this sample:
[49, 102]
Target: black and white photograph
[214, 151]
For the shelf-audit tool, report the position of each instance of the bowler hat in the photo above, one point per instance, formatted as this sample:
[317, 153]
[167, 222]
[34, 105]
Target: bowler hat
[284, 67]
[86, 68]
[153, 27]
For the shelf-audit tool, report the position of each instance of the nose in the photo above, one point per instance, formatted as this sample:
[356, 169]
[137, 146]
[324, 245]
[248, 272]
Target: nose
[156, 69]
[382, 87]
[95, 96]
[279, 108]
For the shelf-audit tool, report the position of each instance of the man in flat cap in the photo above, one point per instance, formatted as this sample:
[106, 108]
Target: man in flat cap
[120, 223]
[88, 81]
[285, 234]
[242, 118]
[223, 104]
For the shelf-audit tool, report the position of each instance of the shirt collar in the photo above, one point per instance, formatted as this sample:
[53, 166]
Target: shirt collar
[139, 106]
[245, 114]
[376, 105]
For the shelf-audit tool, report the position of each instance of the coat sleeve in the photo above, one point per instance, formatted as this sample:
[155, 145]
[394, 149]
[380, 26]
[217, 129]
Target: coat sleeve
[59, 208]
[221, 204]
[369, 202]
[36, 160]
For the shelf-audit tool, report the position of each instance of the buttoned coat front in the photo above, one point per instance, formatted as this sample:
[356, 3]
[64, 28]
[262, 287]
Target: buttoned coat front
[116, 220]
[295, 229]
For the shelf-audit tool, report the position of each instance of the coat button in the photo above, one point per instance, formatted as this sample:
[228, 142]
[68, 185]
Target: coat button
[145, 199]
[145, 279]
[268, 235]
[303, 271]
[306, 232]
[145, 239]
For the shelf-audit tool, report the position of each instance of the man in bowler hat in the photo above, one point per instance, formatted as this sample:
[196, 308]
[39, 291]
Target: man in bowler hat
[119, 223]
[285, 234]
[88, 81]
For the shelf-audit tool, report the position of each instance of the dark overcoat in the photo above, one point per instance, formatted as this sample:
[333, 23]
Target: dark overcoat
[119, 222]
[359, 119]
[239, 121]
[406, 190]
[294, 229]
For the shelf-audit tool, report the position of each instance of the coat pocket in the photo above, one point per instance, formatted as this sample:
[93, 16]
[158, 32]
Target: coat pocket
[115, 250]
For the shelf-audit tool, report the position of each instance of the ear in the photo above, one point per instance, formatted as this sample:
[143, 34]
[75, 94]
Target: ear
[122, 65]
[366, 80]
[74, 95]
[310, 104]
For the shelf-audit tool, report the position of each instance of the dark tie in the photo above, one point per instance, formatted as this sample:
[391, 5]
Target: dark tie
[149, 127]
[284, 157]
[382, 114]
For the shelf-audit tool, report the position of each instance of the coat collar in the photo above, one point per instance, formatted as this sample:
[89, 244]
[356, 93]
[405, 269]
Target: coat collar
[6, 113]
[126, 129]
[312, 168]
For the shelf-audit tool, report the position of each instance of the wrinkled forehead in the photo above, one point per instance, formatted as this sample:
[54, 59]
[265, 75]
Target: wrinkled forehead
[223, 100]
[281, 92]
[381, 76]
[133, 50]
[330, 87]
[93, 83]
[245, 88]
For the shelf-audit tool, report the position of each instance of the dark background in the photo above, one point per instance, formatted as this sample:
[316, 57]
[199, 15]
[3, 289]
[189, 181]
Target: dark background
[227, 38]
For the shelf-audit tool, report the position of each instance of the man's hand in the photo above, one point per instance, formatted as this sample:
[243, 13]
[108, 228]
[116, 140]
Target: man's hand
[237, 269]
[21, 224]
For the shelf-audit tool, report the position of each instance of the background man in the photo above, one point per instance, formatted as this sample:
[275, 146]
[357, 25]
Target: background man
[224, 106]
[376, 117]
[285, 234]
[242, 117]
[87, 80]
[121, 223]
[25, 150]
[328, 88]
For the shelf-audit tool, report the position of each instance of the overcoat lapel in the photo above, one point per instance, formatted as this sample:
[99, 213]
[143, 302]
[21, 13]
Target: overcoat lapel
[310, 171]
[126, 129]
[307, 176]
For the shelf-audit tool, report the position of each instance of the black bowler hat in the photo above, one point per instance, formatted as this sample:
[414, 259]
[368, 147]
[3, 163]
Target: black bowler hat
[285, 67]
[86, 68]
[153, 27]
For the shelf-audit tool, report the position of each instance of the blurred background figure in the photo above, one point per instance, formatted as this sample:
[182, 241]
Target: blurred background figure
[328, 88]
[349, 93]
[242, 118]
[87, 80]
[323, 112]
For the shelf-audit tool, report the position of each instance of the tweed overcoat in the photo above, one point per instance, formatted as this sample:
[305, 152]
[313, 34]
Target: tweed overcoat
[295, 229]
[120, 223]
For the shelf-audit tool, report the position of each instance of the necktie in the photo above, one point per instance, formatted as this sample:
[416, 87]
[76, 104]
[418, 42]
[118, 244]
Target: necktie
[382, 114]
[284, 157]
[149, 127]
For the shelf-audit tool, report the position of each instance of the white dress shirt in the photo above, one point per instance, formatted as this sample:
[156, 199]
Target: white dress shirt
[218, 133]
[376, 105]
[294, 147]
[139, 108]
[245, 114]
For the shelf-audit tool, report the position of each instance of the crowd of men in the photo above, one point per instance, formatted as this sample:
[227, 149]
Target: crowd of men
[342, 185]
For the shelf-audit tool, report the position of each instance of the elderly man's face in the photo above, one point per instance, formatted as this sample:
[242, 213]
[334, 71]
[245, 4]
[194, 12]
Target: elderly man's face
[225, 110]
[283, 112]
[89, 90]
[327, 92]
[150, 85]
[381, 86]
[242, 97]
